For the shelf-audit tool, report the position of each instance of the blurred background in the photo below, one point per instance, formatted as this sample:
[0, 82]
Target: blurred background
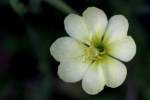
[29, 27]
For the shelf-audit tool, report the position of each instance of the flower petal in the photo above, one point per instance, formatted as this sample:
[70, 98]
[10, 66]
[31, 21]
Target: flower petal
[115, 72]
[72, 70]
[66, 48]
[117, 28]
[93, 82]
[124, 49]
[96, 20]
[76, 28]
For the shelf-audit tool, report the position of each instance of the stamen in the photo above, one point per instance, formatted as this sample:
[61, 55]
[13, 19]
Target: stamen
[93, 54]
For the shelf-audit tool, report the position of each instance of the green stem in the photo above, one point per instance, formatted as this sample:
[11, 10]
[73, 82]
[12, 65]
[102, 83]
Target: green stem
[60, 5]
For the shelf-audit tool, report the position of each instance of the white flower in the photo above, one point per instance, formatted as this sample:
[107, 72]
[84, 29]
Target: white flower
[93, 50]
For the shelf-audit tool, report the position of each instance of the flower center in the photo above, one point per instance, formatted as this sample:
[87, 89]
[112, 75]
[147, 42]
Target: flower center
[101, 49]
[96, 50]
[94, 53]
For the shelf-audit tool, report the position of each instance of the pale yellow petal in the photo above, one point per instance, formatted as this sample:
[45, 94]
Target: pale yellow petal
[72, 70]
[117, 28]
[93, 82]
[124, 49]
[66, 48]
[115, 72]
[76, 27]
[96, 20]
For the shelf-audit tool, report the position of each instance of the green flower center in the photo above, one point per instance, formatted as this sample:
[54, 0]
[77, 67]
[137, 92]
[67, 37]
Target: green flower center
[101, 49]
[96, 51]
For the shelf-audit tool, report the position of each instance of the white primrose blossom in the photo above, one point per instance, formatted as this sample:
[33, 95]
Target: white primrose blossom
[94, 50]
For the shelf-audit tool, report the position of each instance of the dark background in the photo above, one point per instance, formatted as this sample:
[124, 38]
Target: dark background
[29, 27]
